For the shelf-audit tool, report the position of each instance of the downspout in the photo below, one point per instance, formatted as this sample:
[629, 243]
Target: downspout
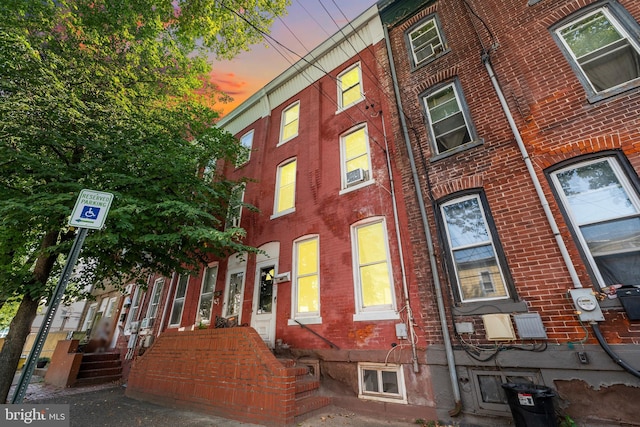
[451, 363]
[486, 60]
[405, 288]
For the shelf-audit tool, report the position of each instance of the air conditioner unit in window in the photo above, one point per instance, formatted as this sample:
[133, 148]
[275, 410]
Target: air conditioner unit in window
[133, 327]
[355, 176]
[147, 322]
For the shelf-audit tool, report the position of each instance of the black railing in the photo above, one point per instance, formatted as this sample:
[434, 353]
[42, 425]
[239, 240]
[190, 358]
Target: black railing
[318, 335]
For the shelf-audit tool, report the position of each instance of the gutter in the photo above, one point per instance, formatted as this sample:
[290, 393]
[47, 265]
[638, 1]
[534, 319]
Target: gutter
[451, 363]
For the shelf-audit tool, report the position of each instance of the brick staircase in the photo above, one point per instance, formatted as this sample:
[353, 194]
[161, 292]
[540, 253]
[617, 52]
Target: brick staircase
[307, 384]
[98, 368]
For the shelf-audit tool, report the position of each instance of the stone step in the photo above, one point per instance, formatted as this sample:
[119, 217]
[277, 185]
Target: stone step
[307, 384]
[311, 403]
[100, 364]
[97, 380]
[100, 372]
[103, 356]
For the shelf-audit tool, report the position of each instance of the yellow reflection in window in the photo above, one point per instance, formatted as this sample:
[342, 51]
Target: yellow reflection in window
[374, 268]
[350, 87]
[290, 122]
[286, 187]
[355, 151]
[307, 270]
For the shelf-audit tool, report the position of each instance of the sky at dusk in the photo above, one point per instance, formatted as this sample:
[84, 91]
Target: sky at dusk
[307, 24]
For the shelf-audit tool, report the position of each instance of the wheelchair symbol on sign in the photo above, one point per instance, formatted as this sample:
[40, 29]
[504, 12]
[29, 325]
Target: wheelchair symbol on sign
[90, 212]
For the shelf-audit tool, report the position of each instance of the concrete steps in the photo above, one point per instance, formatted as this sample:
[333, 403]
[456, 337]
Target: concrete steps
[98, 368]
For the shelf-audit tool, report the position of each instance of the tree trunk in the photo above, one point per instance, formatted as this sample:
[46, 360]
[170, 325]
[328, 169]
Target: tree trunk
[12, 349]
[20, 326]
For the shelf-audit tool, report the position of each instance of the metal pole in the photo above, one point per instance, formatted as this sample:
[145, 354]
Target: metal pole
[27, 370]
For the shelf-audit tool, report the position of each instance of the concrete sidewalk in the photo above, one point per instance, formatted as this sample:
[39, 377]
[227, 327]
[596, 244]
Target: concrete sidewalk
[106, 405]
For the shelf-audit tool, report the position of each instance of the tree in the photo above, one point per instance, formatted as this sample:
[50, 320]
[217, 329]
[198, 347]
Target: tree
[112, 95]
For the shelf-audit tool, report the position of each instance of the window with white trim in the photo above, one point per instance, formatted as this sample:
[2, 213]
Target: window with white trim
[600, 46]
[350, 87]
[285, 195]
[356, 161]
[233, 294]
[449, 121]
[382, 382]
[133, 310]
[290, 123]
[306, 285]
[603, 207]
[156, 293]
[246, 143]
[88, 320]
[178, 300]
[426, 41]
[472, 251]
[234, 212]
[206, 294]
[375, 296]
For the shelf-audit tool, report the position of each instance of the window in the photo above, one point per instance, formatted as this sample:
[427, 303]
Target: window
[133, 311]
[234, 212]
[246, 142]
[375, 297]
[425, 41]
[472, 250]
[356, 164]
[178, 300]
[233, 296]
[383, 382]
[209, 170]
[290, 120]
[285, 189]
[206, 294]
[488, 387]
[306, 278]
[601, 49]
[156, 293]
[448, 120]
[88, 320]
[349, 87]
[604, 209]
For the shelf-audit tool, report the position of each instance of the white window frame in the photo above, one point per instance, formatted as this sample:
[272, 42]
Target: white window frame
[227, 289]
[156, 296]
[341, 104]
[620, 25]
[283, 124]
[490, 242]
[91, 313]
[276, 199]
[246, 141]
[462, 109]
[416, 62]
[134, 312]
[181, 299]
[381, 312]
[381, 396]
[627, 186]
[234, 219]
[205, 277]
[305, 317]
[343, 160]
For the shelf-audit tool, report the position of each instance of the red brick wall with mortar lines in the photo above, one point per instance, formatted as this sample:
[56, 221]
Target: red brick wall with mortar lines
[226, 372]
[556, 122]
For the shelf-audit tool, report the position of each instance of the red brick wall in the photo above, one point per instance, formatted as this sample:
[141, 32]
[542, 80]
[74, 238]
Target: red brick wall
[226, 372]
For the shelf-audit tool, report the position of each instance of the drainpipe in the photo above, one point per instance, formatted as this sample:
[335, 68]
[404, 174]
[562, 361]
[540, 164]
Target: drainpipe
[486, 60]
[451, 363]
[405, 288]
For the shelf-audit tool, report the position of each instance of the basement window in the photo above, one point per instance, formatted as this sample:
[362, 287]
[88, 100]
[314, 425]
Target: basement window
[381, 382]
[488, 389]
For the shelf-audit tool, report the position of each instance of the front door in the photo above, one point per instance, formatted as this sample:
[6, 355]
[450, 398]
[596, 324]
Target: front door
[264, 303]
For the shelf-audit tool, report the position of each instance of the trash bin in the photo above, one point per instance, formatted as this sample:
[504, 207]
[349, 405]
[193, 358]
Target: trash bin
[531, 405]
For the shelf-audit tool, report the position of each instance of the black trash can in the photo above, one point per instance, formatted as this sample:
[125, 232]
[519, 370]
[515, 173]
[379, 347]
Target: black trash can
[531, 405]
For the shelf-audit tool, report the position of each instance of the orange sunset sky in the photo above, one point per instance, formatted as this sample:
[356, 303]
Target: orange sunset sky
[307, 24]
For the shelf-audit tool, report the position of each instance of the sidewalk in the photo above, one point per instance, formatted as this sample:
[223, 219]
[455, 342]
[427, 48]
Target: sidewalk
[106, 405]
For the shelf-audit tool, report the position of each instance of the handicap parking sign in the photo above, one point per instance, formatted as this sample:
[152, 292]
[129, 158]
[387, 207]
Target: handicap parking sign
[90, 212]
[91, 209]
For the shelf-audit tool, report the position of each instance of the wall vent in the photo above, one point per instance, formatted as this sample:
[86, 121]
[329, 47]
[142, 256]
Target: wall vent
[530, 326]
[498, 327]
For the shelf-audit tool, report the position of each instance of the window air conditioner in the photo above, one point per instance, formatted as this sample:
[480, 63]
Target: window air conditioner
[133, 327]
[355, 176]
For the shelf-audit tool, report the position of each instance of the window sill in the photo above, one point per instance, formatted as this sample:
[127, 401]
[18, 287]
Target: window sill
[594, 97]
[457, 150]
[489, 307]
[356, 187]
[305, 321]
[376, 315]
[283, 213]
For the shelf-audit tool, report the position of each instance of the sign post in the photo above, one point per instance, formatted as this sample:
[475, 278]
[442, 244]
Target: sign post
[90, 211]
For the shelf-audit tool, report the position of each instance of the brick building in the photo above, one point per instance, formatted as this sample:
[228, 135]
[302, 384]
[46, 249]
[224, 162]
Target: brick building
[521, 129]
[331, 286]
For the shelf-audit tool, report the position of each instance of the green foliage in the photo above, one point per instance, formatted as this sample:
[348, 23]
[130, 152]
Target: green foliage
[113, 95]
[7, 312]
